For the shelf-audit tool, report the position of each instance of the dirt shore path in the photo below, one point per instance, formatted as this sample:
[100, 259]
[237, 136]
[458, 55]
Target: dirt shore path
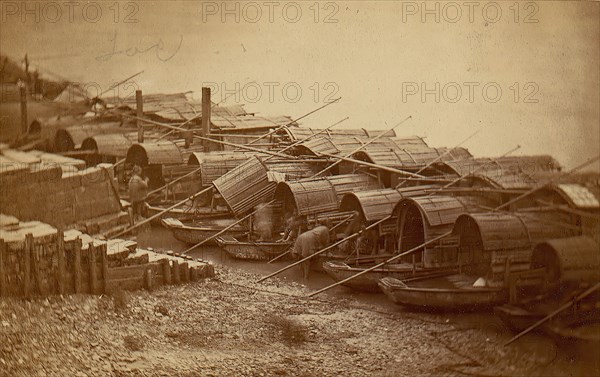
[230, 326]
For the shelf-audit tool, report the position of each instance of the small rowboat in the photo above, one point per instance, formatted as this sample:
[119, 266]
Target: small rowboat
[340, 270]
[183, 214]
[449, 292]
[252, 250]
[194, 232]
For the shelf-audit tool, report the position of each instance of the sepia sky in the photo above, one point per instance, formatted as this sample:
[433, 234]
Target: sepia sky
[522, 73]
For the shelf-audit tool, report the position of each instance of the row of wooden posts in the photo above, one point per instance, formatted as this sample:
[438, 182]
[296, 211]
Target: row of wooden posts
[32, 278]
[78, 270]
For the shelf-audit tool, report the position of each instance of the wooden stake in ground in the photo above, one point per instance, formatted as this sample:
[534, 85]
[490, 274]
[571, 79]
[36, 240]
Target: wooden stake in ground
[324, 250]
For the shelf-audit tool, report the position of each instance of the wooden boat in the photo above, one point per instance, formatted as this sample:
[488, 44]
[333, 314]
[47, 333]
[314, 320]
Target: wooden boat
[252, 250]
[520, 316]
[194, 232]
[183, 214]
[449, 292]
[340, 270]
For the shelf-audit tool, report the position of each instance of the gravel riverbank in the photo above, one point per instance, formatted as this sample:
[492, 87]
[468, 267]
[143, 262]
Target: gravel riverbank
[231, 326]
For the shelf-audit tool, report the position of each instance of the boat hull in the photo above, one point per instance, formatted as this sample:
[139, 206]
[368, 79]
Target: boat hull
[259, 251]
[442, 298]
[368, 282]
[195, 234]
[180, 214]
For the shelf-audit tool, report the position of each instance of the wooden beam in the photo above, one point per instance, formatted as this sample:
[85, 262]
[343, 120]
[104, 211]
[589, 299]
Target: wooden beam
[60, 254]
[104, 270]
[93, 278]
[139, 101]
[77, 266]
[166, 265]
[3, 286]
[27, 261]
[175, 273]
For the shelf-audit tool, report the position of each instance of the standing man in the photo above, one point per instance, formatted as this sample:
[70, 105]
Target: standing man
[138, 190]
[309, 243]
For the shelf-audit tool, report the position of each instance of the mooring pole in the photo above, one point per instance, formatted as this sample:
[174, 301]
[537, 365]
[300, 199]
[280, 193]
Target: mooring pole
[23, 101]
[206, 109]
[139, 105]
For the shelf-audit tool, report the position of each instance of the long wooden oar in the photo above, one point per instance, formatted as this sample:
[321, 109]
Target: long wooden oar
[362, 146]
[323, 250]
[135, 226]
[440, 157]
[554, 313]
[332, 229]
[382, 263]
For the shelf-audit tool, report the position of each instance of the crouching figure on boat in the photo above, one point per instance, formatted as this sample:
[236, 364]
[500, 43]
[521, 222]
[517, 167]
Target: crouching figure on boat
[309, 243]
[293, 224]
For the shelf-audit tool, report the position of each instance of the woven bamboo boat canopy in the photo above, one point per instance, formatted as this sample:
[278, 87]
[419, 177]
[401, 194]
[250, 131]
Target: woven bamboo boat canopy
[154, 153]
[512, 231]
[115, 145]
[71, 138]
[376, 204]
[574, 258]
[311, 196]
[254, 181]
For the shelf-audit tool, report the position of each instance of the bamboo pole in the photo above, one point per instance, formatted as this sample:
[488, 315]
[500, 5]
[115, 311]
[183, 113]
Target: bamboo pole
[530, 216]
[135, 226]
[362, 146]
[324, 250]
[217, 234]
[241, 146]
[381, 167]
[313, 135]
[382, 263]
[537, 187]
[440, 157]
[565, 306]
[295, 120]
[471, 173]
[119, 83]
[3, 286]
[174, 181]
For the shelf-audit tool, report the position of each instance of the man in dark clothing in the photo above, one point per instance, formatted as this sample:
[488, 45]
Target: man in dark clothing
[309, 243]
